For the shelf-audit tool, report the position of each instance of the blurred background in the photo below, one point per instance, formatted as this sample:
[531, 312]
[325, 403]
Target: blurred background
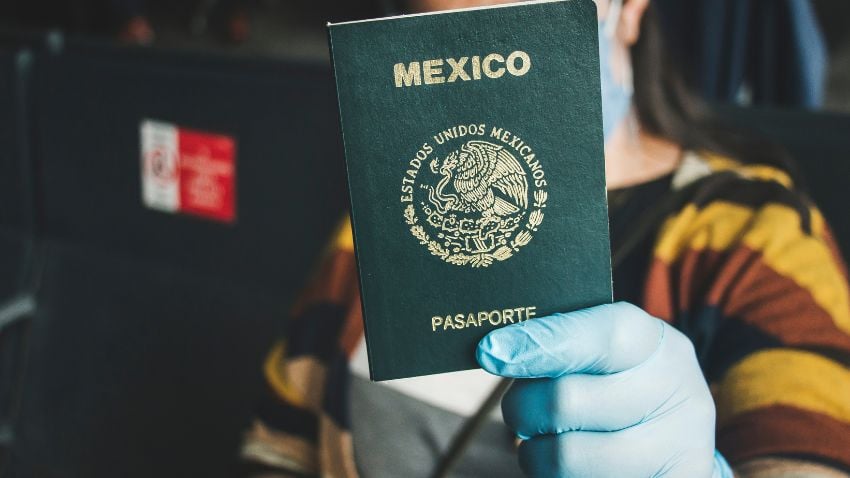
[132, 332]
[716, 35]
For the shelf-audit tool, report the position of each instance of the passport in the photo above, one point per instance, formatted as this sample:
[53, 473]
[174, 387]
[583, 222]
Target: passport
[474, 150]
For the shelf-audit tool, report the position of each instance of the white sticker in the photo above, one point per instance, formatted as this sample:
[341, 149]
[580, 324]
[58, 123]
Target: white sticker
[160, 173]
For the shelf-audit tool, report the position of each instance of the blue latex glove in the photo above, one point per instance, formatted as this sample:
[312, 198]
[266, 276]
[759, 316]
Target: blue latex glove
[605, 392]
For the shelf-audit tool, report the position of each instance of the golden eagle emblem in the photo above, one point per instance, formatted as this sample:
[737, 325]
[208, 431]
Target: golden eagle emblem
[487, 179]
[478, 203]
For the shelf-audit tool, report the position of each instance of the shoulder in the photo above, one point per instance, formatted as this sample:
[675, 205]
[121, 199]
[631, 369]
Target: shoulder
[717, 181]
[747, 226]
[738, 218]
[728, 204]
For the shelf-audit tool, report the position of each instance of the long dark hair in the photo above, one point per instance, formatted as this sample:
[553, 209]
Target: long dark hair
[668, 108]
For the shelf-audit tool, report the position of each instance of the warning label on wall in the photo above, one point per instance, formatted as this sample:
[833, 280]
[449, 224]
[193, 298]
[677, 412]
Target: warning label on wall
[188, 171]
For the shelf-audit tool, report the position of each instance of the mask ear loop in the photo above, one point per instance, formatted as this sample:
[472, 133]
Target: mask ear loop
[610, 24]
[612, 19]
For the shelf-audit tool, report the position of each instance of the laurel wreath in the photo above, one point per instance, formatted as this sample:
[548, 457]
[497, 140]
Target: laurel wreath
[535, 219]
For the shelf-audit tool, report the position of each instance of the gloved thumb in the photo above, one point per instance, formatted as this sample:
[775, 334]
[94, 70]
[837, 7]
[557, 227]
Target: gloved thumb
[600, 340]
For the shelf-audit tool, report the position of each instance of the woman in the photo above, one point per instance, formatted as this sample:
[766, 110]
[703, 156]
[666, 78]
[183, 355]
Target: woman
[735, 281]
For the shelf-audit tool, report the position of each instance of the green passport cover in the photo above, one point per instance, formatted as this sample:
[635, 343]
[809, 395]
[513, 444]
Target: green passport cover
[474, 148]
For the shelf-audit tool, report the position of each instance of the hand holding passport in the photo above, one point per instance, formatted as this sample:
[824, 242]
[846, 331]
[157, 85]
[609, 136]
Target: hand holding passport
[475, 158]
[607, 391]
[474, 149]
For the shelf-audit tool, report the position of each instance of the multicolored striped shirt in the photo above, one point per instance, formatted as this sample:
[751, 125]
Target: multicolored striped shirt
[746, 267]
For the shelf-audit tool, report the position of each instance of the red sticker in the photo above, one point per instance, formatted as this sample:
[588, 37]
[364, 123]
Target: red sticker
[188, 171]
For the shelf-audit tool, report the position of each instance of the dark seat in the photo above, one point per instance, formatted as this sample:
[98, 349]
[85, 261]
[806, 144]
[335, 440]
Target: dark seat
[17, 249]
[138, 369]
[820, 144]
[150, 327]
[16, 207]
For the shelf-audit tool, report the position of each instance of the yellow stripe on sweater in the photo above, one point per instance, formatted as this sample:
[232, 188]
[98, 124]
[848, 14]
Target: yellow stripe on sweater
[343, 239]
[716, 227]
[775, 231]
[786, 377]
[761, 172]
[818, 223]
[805, 259]
[275, 376]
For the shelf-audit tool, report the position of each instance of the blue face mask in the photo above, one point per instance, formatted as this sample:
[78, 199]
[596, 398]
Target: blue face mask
[616, 98]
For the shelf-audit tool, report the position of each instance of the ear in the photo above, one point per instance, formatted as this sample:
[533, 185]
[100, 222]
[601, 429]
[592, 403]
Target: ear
[630, 18]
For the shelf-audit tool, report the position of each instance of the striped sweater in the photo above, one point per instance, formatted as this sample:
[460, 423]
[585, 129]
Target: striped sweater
[747, 268]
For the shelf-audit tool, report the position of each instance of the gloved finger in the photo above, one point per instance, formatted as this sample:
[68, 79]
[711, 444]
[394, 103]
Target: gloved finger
[645, 450]
[603, 402]
[599, 340]
[581, 454]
